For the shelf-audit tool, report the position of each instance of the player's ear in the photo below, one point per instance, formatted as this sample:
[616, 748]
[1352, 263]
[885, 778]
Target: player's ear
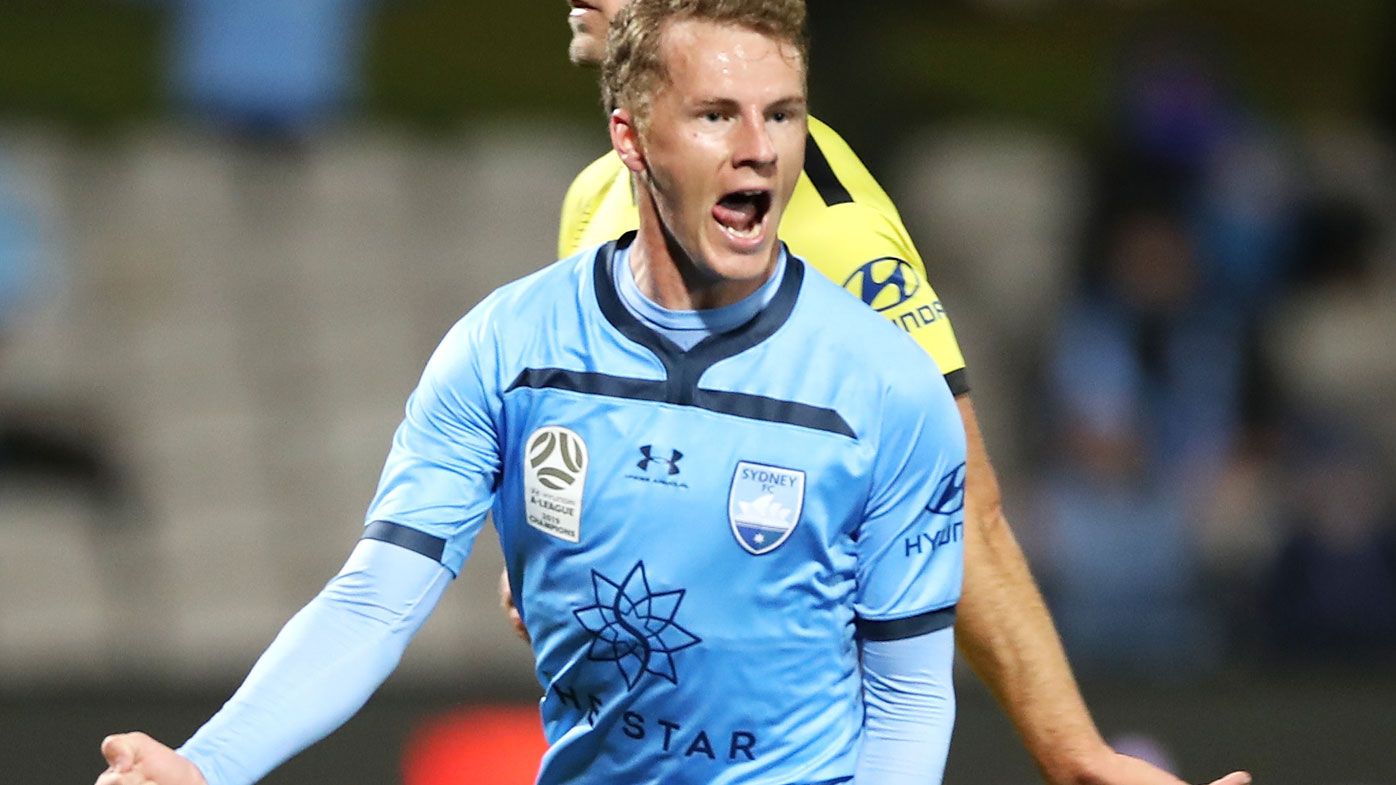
[625, 140]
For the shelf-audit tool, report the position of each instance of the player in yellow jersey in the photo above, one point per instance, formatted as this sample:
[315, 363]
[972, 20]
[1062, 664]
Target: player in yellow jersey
[842, 223]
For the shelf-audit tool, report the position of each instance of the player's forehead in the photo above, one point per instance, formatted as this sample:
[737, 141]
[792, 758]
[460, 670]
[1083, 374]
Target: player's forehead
[702, 56]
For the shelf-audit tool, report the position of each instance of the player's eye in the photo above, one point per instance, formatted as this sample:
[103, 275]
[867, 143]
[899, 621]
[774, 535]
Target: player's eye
[713, 117]
[780, 117]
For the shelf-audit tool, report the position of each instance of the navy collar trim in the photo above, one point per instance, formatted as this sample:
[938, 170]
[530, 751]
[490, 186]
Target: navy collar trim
[685, 368]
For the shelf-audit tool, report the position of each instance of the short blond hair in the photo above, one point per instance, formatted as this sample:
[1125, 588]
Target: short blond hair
[634, 65]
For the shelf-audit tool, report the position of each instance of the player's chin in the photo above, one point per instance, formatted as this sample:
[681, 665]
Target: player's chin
[582, 52]
[586, 48]
[740, 258]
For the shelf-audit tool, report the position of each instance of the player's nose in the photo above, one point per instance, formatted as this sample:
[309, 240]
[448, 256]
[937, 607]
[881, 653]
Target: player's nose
[753, 146]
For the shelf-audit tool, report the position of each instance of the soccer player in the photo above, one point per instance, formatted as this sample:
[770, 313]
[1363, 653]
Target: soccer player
[708, 468]
[842, 222]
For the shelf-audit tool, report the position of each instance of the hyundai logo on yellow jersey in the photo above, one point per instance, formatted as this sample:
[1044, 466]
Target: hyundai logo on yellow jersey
[884, 283]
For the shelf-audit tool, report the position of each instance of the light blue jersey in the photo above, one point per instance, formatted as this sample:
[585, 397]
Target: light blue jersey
[692, 537]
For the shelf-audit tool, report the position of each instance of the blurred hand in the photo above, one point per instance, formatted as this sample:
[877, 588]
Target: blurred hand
[506, 601]
[137, 759]
[1117, 769]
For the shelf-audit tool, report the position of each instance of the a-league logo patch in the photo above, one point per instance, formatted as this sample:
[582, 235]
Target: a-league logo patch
[555, 473]
[764, 505]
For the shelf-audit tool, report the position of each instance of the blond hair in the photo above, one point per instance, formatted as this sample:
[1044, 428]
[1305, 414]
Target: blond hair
[634, 65]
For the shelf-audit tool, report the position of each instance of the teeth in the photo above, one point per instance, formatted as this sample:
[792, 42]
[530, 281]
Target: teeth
[743, 233]
[740, 214]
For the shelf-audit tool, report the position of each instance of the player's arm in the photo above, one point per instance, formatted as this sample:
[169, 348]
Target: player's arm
[327, 661]
[319, 671]
[910, 561]
[909, 709]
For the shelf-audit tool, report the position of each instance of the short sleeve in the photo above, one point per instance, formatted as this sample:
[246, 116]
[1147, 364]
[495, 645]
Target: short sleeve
[440, 475]
[910, 545]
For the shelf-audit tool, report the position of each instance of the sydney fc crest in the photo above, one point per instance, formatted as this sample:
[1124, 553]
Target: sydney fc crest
[764, 505]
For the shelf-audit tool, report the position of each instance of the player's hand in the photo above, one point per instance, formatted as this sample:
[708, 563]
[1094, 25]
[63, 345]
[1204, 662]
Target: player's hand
[1119, 769]
[506, 601]
[137, 759]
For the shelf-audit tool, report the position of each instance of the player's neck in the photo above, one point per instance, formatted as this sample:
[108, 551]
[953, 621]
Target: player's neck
[669, 277]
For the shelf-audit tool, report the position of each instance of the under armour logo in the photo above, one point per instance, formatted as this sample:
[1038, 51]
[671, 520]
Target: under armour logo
[672, 462]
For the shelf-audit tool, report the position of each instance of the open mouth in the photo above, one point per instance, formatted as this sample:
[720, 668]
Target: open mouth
[741, 214]
[579, 5]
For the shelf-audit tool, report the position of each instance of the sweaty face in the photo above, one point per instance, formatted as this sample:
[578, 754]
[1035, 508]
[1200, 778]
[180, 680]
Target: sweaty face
[589, 21]
[724, 143]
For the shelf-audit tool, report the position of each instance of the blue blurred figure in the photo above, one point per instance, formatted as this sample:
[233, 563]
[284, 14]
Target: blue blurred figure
[1194, 174]
[276, 70]
[1120, 567]
[1191, 242]
[19, 252]
[43, 440]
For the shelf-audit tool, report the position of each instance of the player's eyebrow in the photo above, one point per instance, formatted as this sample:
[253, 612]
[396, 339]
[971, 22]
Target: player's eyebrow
[788, 103]
[785, 103]
[724, 104]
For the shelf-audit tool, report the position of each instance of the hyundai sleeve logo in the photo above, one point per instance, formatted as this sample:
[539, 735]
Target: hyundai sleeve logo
[884, 283]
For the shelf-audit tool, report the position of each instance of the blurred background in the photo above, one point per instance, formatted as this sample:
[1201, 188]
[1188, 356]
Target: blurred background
[231, 231]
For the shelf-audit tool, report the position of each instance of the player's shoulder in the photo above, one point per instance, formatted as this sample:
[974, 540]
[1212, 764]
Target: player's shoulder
[517, 307]
[505, 329]
[584, 201]
[551, 287]
[833, 311]
[877, 363]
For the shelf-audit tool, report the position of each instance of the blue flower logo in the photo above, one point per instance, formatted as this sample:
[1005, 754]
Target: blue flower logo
[634, 627]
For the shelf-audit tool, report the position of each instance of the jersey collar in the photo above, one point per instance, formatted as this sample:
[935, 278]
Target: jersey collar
[686, 367]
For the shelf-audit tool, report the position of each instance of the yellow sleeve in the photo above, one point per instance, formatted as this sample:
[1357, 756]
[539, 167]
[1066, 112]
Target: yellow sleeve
[843, 223]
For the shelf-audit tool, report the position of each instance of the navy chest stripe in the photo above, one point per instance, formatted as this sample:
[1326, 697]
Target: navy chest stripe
[759, 407]
[751, 407]
[590, 384]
